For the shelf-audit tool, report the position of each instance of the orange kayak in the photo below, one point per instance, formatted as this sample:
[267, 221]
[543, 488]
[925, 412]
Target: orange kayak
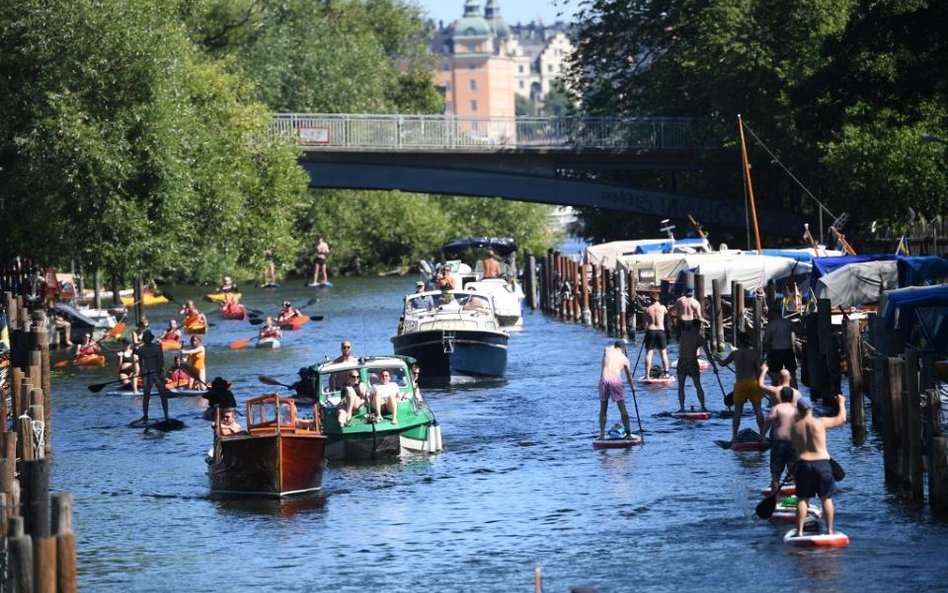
[90, 360]
[167, 345]
[233, 311]
[195, 327]
[295, 322]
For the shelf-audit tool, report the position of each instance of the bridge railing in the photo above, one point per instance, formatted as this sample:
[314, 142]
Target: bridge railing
[313, 131]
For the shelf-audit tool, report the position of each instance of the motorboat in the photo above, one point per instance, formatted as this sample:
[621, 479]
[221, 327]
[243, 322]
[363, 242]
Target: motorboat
[278, 455]
[453, 334]
[366, 436]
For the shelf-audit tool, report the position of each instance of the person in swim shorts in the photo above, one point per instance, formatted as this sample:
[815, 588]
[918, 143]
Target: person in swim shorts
[614, 361]
[814, 473]
[782, 454]
[746, 389]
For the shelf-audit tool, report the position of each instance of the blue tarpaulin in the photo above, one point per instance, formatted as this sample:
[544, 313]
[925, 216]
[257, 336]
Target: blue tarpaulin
[920, 314]
[922, 270]
[825, 265]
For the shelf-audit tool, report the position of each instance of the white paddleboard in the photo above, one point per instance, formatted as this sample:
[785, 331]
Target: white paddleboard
[816, 540]
[618, 442]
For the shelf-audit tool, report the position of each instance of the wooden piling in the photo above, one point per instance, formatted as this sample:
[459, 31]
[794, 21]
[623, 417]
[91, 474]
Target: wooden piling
[857, 410]
[912, 438]
[530, 279]
[20, 558]
[737, 310]
[65, 543]
[893, 423]
[620, 292]
[717, 315]
[758, 335]
[603, 291]
[699, 294]
[632, 326]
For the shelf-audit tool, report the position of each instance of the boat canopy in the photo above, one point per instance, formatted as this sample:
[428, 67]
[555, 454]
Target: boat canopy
[857, 283]
[804, 254]
[503, 246]
[919, 313]
[825, 265]
[752, 271]
[922, 271]
[609, 254]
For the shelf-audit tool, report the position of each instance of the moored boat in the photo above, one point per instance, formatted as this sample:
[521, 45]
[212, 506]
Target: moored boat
[453, 335]
[278, 455]
[368, 437]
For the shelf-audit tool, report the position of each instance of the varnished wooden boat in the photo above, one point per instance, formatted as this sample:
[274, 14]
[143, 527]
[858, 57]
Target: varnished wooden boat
[278, 455]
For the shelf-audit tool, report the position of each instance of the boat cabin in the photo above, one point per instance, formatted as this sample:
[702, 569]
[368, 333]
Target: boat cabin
[334, 376]
[267, 414]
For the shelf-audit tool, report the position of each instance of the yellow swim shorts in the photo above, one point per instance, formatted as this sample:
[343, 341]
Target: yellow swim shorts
[747, 391]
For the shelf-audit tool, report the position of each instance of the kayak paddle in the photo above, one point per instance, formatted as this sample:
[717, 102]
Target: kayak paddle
[766, 507]
[271, 381]
[119, 328]
[242, 343]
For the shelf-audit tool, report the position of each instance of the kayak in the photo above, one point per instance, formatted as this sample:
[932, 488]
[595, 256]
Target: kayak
[89, 360]
[295, 323]
[692, 415]
[270, 285]
[816, 540]
[219, 297]
[196, 327]
[148, 299]
[666, 381]
[233, 311]
[271, 343]
[167, 345]
[617, 442]
[757, 445]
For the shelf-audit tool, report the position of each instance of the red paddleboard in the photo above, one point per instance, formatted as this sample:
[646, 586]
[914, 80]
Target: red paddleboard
[750, 445]
[786, 490]
[691, 415]
[816, 540]
[618, 443]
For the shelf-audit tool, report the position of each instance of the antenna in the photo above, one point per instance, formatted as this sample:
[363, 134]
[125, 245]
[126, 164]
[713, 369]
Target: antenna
[667, 228]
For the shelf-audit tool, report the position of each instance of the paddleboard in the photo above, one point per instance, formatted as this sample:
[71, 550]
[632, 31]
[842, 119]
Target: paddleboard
[320, 284]
[786, 490]
[691, 415]
[816, 540]
[744, 445]
[123, 392]
[703, 364]
[270, 343]
[186, 392]
[617, 443]
[786, 510]
[162, 425]
[657, 380]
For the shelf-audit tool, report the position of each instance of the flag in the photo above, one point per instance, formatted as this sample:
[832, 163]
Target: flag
[4, 332]
[902, 248]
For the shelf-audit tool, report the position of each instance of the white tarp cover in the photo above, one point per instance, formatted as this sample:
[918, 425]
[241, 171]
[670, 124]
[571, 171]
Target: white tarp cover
[607, 254]
[752, 271]
[858, 283]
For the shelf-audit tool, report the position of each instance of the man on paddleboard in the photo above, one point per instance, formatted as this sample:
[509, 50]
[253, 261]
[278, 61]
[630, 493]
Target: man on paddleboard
[690, 343]
[773, 391]
[655, 336]
[782, 453]
[152, 361]
[814, 474]
[689, 310]
[745, 384]
[614, 361]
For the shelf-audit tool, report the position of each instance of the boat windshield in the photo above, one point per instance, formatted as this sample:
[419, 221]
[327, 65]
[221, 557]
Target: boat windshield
[270, 412]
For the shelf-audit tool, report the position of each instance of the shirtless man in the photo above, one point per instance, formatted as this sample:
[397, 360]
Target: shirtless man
[813, 474]
[745, 384]
[688, 309]
[655, 336]
[778, 344]
[688, 346]
[782, 454]
[491, 265]
[346, 347]
[319, 267]
[614, 361]
[773, 391]
[152, 361]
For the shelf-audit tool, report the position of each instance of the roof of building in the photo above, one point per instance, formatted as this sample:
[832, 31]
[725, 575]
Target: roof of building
[472, 24]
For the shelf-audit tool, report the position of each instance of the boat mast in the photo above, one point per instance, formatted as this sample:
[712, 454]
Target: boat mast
[747, 179]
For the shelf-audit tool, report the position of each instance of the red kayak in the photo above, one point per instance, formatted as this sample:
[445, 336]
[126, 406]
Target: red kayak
[233, 311]
[294, 323]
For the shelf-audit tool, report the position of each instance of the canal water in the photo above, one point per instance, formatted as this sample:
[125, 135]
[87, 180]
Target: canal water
[518, 485]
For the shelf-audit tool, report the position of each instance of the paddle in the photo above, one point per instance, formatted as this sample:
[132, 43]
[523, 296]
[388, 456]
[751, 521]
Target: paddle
[312, 301]
[766, 507]
[97, 387]
[838, 472]
[635, 400]
[119, 328]
[707, 352]
[271, 381]
[242, 343]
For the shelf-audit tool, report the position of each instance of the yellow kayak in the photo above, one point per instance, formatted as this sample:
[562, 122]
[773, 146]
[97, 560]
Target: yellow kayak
[220, 297]
[148, 299]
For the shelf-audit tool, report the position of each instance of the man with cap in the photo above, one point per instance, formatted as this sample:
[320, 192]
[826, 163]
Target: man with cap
[152, 362]
[688, 309]
[421, 302]
[813, 474]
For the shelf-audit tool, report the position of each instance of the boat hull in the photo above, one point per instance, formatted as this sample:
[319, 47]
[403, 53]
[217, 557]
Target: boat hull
[268, 343]
[234, 311]
[272, 465]
[362, 440]
[446, 355]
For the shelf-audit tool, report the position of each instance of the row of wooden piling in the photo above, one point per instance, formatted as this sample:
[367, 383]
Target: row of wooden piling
[38, 545]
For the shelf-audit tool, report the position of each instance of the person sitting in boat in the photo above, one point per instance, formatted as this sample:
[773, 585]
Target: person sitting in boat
[287, 313]
[219, 396]
[229, 425]
[424, 301]
[304, 390]
[137, 334]
[354, 395]
[475, 302]
[191, 314]
[385, 396]
[128, 370]
[172, 334]
[196, 358]
[228, 286]
[177, 377]
[445, 280]
[415, 373]
[269, 330]
[87, 347]
[491, 265]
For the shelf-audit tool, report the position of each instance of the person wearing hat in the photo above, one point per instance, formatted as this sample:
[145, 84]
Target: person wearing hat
[305, 388]
[424, 301]
[287, 313]
[354, 395]
[688, 309]
[220, 396]
[813, 474]
[152, 361]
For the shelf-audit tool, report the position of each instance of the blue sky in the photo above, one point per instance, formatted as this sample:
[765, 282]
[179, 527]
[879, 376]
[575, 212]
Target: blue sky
[513, 11]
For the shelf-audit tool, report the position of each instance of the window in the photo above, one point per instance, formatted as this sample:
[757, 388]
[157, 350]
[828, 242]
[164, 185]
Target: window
[471, 67]
[472, 47]
[520, 68]
[473, 85]
[473, 104]
[549, 67]
[521, 84]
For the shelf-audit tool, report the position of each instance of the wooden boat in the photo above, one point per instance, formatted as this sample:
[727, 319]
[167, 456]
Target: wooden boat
[89, 360]
[221, 297]
[278, 455]
[167, 345]
[295, 322]
[148, 299]
[233, 310]
[367, 437]
[457, 336]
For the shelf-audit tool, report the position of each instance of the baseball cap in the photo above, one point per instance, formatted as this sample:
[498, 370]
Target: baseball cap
[804, 403]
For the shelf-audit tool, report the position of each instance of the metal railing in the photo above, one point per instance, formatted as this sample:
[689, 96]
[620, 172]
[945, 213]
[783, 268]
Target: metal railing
[445, 132]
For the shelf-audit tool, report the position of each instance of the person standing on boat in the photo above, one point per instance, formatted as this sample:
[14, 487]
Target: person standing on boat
[491, 265]
[813, 473]
[385, 396]
[128, 370]
[745, 384]
[690, 343]
[354, 395]
[614, 362]
[319, 267]
[782, 454]
[688, 309]
[152, 361]
[655, 336]
[346, 347]
[778, 344]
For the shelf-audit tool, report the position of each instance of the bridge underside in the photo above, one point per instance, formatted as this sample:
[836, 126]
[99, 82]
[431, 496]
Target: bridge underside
[529, 178]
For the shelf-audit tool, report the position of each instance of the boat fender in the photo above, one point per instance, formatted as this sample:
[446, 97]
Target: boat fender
[438, 444]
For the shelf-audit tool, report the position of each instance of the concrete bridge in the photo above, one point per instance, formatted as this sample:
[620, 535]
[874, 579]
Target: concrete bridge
[536, 159]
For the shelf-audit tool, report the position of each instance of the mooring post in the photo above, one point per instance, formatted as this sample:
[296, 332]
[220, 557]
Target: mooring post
[65, 543]
[717, 315]
[893, 423]
[912, 439]
[857, 410]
